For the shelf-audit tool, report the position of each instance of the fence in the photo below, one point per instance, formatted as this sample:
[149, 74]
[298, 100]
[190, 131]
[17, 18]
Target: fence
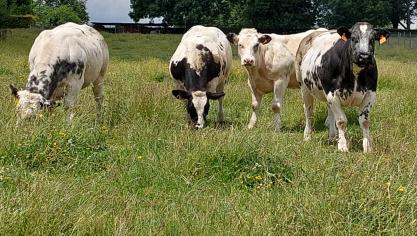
[403, 39]
[3, 33]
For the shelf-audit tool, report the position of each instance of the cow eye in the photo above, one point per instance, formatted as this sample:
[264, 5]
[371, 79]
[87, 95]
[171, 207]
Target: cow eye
[256, 45]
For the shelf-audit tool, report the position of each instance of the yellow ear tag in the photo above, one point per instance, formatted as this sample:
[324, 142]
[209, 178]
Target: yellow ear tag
[344, 38]
[382, 40]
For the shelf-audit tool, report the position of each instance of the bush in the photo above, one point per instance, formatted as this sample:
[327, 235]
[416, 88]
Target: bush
[58, 16]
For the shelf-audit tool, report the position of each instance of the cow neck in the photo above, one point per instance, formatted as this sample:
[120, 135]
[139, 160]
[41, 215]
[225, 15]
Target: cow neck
[346, 56]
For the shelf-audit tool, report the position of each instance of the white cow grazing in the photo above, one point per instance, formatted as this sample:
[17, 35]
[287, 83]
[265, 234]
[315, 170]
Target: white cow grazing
[62, 62]
[200, 67]
[269, 61]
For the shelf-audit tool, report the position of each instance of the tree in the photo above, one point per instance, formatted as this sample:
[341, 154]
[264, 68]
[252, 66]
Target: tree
[334, 13]
[4, 14]
[402, 10]
[60, 15]
[281, 14]
[55, 12]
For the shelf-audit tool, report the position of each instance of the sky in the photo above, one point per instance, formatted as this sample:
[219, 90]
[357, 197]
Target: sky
[109, 11]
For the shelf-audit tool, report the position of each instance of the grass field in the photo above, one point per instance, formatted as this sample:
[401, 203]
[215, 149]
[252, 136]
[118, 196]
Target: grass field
[142, 171]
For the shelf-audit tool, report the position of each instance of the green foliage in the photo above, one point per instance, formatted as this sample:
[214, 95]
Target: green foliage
[55, 12]
[282, 15]
[4, 14]
[59, 15]
[335, 13]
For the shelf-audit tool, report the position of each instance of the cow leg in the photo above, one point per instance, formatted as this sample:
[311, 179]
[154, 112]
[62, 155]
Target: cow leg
[331, 124]
[364, 120]
[220, 114]
[279, 89]
[308, 100]
[333, 101]
[70, 100]
[98, 91]
[256, 104]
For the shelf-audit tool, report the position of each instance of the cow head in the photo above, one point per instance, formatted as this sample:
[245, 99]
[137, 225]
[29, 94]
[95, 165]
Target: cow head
[248, 42]
[362, 37]
[28, 104]
[198, 104]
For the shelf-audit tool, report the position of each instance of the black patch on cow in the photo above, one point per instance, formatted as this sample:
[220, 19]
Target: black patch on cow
[336, 72]
[60, 71]
[308, 83]
[193, 81]
[365, 113]
[178, 69]
[33, 81]
[221, 46]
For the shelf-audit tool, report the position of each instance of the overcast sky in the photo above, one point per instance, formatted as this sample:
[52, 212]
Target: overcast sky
[109, 10]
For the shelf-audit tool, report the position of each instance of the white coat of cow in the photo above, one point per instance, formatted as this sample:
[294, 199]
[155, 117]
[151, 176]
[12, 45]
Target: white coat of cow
[269, 61]
[62, 62]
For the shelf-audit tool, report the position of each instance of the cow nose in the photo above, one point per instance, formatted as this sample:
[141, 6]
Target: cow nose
[364, 56]
[248, 62]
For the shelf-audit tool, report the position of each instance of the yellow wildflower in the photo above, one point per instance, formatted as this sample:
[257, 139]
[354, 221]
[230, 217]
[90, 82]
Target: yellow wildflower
[401, 189]
[258, 177]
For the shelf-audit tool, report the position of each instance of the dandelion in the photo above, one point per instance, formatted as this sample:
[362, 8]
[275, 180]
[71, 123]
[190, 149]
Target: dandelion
[401, 189]
[61, 133]
[258, 177]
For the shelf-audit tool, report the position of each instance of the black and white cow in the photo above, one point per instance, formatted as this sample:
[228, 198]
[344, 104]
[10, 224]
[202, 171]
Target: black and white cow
[62, 62]
[200, 66]
[340, 68]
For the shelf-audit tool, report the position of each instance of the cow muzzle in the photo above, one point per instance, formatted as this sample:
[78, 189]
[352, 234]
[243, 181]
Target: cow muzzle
[248, 62]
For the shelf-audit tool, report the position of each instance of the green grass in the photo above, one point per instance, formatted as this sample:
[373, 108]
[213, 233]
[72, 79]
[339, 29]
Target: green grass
[142, 171]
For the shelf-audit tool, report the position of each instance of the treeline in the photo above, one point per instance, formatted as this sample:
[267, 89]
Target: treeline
[282, 15]
[45, 13]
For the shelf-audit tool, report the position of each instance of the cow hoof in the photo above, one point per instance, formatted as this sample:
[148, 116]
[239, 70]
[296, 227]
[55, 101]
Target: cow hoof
[342, 146]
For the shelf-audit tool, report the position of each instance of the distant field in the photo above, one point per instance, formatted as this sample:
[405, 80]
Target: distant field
[142, 171]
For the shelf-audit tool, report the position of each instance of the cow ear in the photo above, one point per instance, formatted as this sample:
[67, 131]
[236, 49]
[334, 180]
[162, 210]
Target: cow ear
[382, 36]
[214, 96]
[344, 33]
[181, 94]
[233, 38]
[14, 91]
[264, 39]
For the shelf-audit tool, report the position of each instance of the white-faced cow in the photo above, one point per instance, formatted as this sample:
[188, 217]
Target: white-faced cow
[62, 62]
[200, 66]
[269, 61]
[340, 68]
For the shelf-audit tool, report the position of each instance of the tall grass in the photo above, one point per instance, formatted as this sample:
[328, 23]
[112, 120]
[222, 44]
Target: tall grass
[141, 170]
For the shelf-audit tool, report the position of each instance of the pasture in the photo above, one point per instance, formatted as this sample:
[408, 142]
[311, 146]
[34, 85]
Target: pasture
[141, 171]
